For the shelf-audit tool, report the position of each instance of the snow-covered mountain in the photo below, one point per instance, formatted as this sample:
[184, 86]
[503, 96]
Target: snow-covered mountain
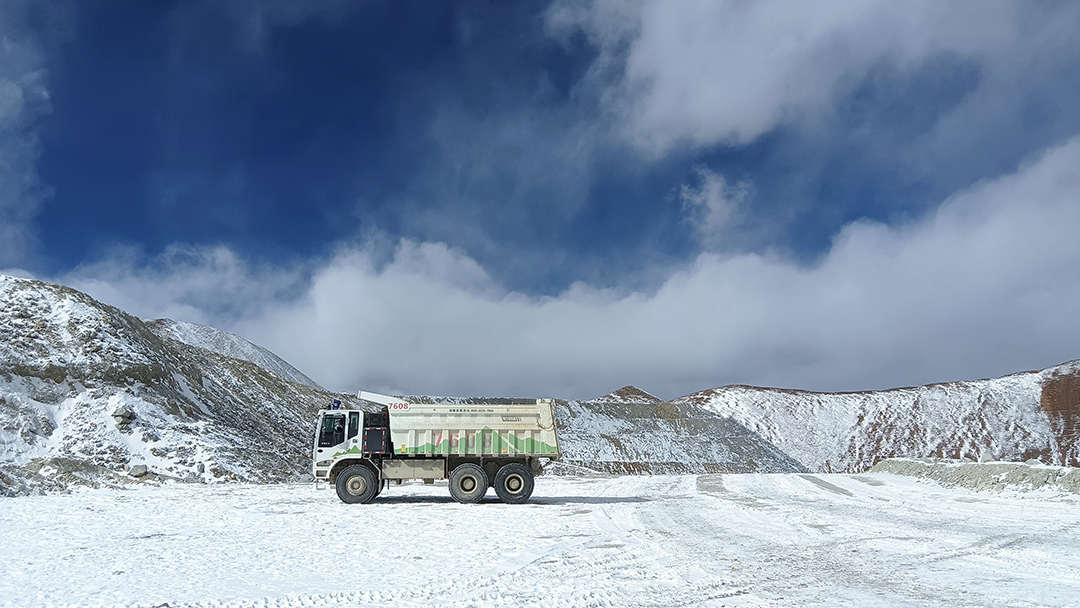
[230, 345]
[91, 394]
[1016, 417]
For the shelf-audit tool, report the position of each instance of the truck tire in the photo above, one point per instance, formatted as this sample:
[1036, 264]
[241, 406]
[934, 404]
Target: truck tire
[468, 483]
[357, 484]
[514, 483]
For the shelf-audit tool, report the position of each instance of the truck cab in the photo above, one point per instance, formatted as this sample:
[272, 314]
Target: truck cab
[332, 430]
[348, 433]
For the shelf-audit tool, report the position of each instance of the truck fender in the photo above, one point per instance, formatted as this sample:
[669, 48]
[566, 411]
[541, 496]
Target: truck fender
[340, 466]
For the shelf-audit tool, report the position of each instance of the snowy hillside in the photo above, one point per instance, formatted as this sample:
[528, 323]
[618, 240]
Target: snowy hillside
[1016, 417]
[90, 394]
[631, 431]
[230, 345]
[629, 394]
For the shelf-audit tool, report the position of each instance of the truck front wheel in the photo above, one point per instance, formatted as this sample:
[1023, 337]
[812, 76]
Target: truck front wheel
[514, 483]
[468, 483]
[356, 483]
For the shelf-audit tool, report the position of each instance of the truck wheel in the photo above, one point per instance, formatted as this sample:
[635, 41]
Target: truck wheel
[468, 483]
[356, 484]
[514, 483]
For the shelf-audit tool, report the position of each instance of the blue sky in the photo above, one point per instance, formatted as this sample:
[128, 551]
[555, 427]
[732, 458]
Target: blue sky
[560, 198]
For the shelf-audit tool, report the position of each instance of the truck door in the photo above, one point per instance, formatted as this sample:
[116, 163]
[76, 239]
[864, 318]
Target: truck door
[354, 428]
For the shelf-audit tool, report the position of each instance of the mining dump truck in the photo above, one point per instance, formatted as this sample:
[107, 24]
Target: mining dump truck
[473, 446]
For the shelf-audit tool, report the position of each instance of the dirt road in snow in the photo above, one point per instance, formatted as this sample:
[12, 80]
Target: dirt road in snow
[732, 540]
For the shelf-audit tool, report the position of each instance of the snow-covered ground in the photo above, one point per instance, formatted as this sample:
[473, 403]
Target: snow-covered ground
[710, 540]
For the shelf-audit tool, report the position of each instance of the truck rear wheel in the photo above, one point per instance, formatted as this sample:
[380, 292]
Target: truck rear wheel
[468, 483]
[356, 484]
[514, 483]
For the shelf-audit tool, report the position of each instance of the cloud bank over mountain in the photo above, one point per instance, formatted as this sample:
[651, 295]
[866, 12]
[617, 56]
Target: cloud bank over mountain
[986, 285]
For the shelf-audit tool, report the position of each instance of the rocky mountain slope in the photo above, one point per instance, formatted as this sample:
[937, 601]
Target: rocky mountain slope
[631, 431]
[1016, 417]
[229, 345]
[90, 394]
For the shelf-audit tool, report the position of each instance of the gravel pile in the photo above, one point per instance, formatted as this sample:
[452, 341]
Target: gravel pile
[985, 475]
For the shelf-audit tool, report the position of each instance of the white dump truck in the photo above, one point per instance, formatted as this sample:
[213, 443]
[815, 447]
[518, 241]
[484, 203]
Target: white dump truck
[474, 446]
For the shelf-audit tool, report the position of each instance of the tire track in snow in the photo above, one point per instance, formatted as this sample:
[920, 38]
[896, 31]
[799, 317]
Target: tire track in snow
[712, 540]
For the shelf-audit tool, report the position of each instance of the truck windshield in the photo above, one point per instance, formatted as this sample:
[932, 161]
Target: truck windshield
[332, 431]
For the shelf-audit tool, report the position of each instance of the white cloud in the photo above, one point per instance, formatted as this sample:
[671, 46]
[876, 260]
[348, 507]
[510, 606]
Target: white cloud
[209, 285]
[706, 72]
[23, 99]
[496, 170]
[986, 285]
[714, 207]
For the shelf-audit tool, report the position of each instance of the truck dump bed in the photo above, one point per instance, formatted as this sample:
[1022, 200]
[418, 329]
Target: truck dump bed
[522, 428]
